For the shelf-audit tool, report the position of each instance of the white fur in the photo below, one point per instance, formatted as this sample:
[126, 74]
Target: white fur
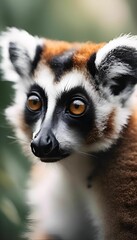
[118, 69]
[64, 190]
[125, 40]
[25, 42]
[66, 137]
[45, 78]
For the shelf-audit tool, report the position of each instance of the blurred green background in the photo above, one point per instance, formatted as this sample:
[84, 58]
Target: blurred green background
[73, 20]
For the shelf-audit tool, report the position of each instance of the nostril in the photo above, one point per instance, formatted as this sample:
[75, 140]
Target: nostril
[34, 149]
[41, 147]
[48, 140]
[44, 145]
[36, 135]
[48, 146]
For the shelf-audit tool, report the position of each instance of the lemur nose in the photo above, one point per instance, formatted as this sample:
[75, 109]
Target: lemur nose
[43, 145]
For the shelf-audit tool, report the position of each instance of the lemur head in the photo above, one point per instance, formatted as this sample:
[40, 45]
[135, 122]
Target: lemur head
[69, 97]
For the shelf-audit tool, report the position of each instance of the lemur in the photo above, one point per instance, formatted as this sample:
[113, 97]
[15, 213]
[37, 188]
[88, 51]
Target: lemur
[74, 113]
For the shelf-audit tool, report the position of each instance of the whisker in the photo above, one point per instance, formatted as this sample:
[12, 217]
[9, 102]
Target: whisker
[86, 153]
[17, 139]
[11, 137]
[80, 152]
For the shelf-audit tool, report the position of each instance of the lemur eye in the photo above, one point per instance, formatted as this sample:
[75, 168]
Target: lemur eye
[77, 107]
[34, 103]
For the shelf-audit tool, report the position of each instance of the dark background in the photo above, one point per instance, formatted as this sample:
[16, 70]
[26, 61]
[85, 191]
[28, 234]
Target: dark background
[71, 20]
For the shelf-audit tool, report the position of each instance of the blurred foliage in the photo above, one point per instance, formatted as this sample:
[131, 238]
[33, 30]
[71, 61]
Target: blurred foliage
[72, 20]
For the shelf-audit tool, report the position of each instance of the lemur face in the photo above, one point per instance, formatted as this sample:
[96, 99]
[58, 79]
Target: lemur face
[60, 114]
[69, 97]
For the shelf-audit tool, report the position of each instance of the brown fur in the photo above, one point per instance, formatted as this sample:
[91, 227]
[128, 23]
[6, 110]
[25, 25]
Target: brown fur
[117, 181]
[82, 51]
[109, 129]
[93, 135]
[108, 132]
[53, 48]
[38, 236]
[38, 172]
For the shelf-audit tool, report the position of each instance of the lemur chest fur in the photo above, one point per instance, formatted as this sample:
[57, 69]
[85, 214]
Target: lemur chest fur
[63, 199]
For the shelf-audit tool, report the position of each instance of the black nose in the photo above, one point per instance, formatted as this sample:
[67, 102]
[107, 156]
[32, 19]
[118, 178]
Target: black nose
[44, 145]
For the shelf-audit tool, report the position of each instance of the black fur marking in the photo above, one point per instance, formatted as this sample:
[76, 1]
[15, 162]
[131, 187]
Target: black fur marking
[91, 65]
[81, 124]
[15, 54]
[32, 117]
[121, 82]
[36, 58]
[126, 55]
[62, 63]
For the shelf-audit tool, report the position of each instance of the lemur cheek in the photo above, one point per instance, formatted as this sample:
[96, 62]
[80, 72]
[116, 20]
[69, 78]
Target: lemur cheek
[106, 131]
[92, 136]
[110, 126]
[25, 128]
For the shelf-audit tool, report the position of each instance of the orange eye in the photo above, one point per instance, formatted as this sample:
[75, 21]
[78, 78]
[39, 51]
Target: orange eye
[77, 107]
[34, 103]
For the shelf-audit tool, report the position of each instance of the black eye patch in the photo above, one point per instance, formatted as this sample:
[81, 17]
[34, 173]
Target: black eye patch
[32, 117]
[66, 96]
[80, 123]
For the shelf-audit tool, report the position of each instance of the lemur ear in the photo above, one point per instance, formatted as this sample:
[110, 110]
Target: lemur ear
[20, 53]
[116, 66]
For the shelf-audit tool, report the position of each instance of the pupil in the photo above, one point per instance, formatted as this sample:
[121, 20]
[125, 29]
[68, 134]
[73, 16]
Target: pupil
[35, 102]
[76, 106]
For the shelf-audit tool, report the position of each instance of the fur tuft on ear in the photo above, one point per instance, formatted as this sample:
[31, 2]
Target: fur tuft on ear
[116, 65]
[18, 50]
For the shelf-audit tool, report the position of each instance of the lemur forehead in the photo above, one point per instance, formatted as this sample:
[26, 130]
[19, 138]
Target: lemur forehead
[63, 56]
[71, 81]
